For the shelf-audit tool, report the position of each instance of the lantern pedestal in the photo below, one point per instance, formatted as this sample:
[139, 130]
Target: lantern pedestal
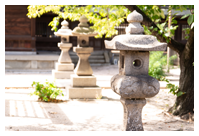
[132, 114]
[64, 68]
[83, 82]
[84, 92]
[83, 87]
[83, 67]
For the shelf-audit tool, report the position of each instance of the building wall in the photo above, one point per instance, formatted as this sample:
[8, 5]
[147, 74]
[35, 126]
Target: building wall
[19, 29]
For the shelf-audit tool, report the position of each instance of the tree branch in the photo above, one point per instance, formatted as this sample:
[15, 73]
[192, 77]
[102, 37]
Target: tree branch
[173, 44]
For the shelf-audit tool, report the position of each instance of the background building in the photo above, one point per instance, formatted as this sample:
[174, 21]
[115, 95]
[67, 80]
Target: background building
[33, 37]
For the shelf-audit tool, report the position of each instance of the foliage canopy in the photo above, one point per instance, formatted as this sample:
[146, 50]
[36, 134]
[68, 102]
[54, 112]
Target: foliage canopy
[106, 17]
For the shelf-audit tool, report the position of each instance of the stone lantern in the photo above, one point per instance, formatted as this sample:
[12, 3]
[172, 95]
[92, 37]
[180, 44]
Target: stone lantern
[133, 83]
[83, 82]
[64, 68]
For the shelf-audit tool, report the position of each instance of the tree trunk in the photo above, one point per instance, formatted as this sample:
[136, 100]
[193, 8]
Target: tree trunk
[184, 104]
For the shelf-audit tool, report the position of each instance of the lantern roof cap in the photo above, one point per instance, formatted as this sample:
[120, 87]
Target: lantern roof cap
[64, 30]
[135, 43]
[83, 28]
[134, 17]
[134, 39]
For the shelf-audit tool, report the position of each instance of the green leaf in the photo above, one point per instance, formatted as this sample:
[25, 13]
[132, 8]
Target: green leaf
[151, 27]
[190, 19]
[155, 29]
[185, 16]
[161, 26]
[174, 21]
[179, 94]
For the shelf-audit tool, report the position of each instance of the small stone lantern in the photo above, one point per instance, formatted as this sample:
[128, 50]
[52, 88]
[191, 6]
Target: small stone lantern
[64, 68]
[133, 83]
[83, 82]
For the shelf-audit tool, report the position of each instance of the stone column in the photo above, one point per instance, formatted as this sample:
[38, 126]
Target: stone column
[132, 114]
[64, 56]
[83, 67]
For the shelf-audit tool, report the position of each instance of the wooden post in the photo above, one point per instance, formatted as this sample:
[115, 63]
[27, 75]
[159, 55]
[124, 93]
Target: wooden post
[33, 41]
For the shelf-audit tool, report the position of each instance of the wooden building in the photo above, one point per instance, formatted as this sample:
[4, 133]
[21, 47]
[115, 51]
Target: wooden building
[24, 34]
[34, 36]
[19, 29]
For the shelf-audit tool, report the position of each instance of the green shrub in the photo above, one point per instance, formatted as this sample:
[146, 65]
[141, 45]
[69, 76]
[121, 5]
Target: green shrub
[174, 89]
[157, 61]
[47, 91]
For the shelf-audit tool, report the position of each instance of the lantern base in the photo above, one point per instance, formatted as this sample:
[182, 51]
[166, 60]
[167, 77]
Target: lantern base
[83, 81]
[61, 74]
[64, 66]
[83, 92]
[133, 114]
[83, 87]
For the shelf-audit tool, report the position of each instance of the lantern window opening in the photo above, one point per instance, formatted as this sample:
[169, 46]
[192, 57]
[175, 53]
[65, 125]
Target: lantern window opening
[122, 61]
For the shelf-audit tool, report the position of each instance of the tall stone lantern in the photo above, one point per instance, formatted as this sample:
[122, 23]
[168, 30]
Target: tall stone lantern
[133, 83]
[64, 68]
[83, 82]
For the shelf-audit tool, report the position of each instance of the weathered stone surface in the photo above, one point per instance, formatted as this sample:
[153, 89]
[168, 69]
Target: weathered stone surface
[134, 17]
[134, 63]
[140, 86]
[134, 40]
[135, 43]
[61, 74]
[83, 81]
[133, 83]
[83, 28]
[132, 114]
[64, 66]
[83, 67]
[82, 41]
[83, 49]
[134, 20]
[64, 32]
[83, 32]
[64, 56]
[84, 92]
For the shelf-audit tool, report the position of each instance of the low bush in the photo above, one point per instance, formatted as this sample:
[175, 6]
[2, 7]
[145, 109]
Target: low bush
[47, 91]
[157, 62]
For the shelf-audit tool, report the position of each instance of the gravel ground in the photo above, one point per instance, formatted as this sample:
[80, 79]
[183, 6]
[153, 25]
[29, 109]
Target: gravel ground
[25, 113]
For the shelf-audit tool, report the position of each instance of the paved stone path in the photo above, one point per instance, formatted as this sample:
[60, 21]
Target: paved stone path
[24, 113]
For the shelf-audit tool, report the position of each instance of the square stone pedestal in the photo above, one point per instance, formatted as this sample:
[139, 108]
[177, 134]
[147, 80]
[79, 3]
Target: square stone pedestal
[84, 92]
[83, 87]
[61, 74]
[63, 70]
[64, 66]
[83, 81]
